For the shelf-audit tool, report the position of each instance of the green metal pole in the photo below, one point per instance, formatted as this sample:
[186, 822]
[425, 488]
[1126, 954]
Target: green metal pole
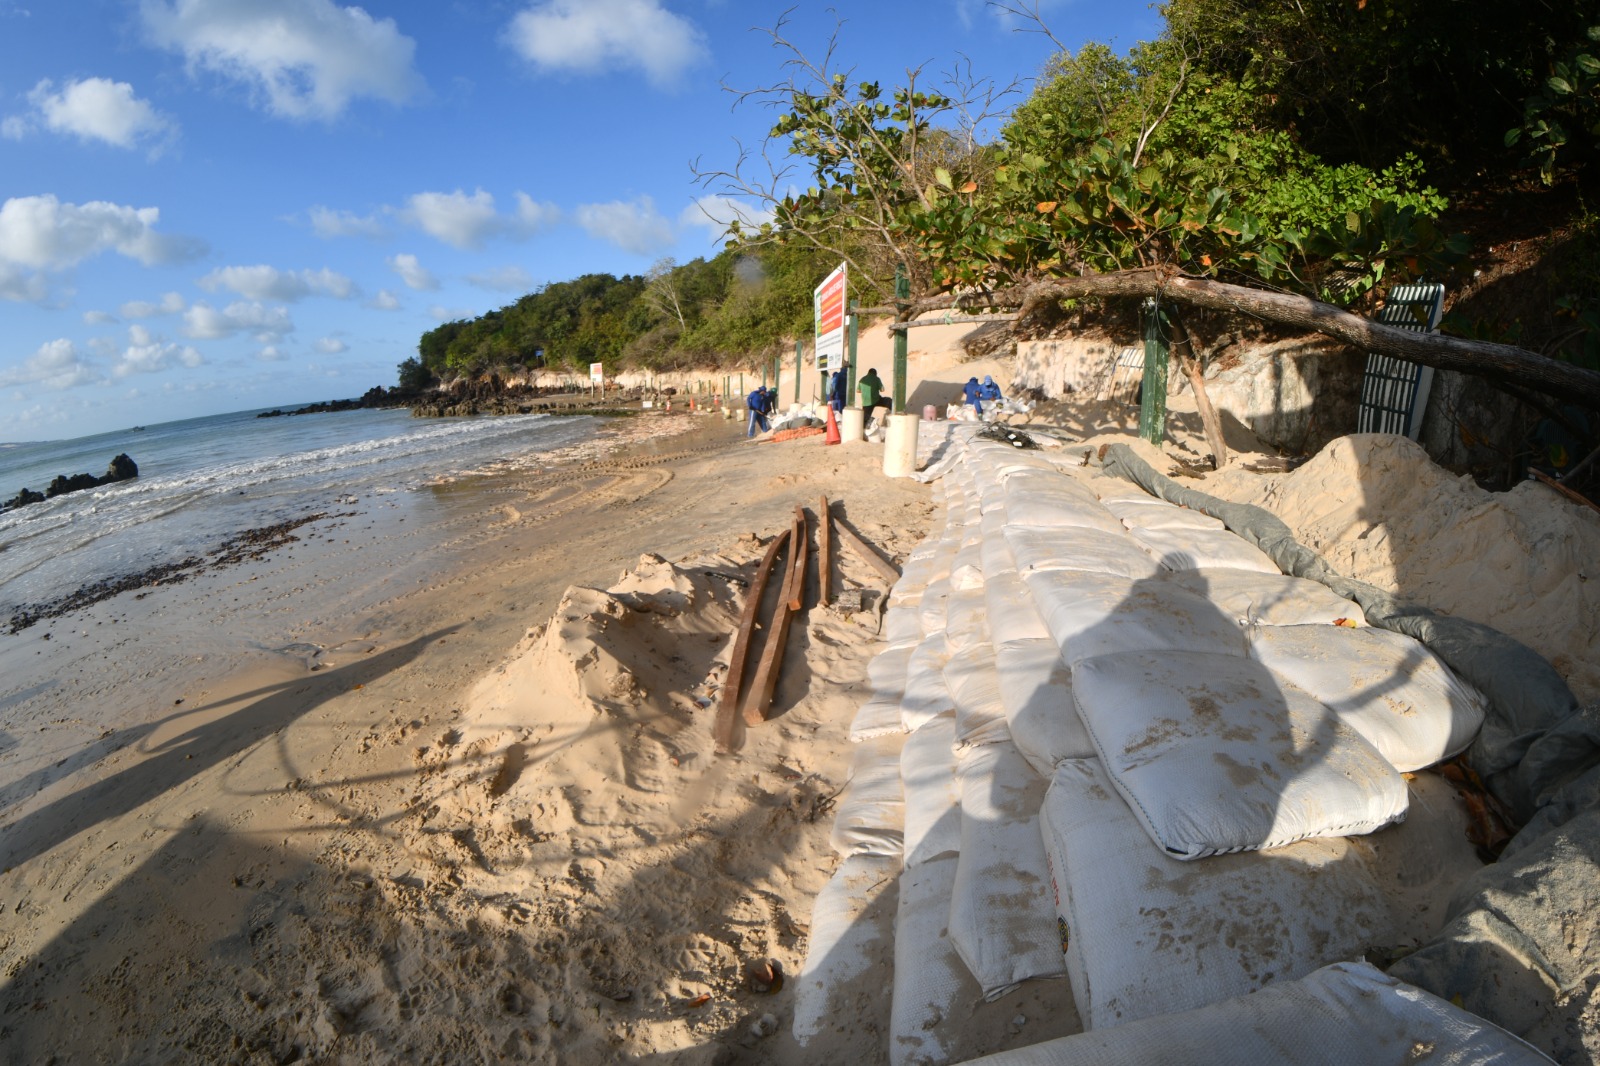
[799, 359]
[851, 399]
[777, 377]
[1153, 391]
[902, 293]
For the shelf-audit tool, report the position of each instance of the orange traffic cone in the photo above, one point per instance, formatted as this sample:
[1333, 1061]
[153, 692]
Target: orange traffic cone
[834, 436]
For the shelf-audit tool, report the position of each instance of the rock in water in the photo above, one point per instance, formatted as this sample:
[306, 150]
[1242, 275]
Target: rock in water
[121, 469]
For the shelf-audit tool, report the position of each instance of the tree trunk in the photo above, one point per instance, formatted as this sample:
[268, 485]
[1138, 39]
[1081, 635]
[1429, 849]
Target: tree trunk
[1499, 362]
[1183, 346]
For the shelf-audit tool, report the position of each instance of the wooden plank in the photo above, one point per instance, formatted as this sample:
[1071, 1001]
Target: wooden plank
[728, 709]
[825, 552]
[887, 570]
[765, 681]
[802, 540]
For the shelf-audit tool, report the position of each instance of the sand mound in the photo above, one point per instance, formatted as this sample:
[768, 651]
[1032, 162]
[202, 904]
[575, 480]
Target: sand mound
[1380, 510]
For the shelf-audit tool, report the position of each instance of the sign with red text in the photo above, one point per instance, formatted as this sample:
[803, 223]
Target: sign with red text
[597, 375]
[828, 304]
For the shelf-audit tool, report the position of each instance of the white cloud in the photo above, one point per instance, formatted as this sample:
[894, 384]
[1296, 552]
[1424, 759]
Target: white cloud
[266, 324]
[384, 301]
[304, 58]
[331, 346]
[632, 225]
[502, 279]
[714, 213]
[171, 304]
[326, 222]
[269, 283]
[598, 36]
[147, 353]
[99, 318]
[21, 286]
[271, 354]
[467, 221]
[42, 233]
[412, 273]
[103, 346]
[55, 364]
[96, 109]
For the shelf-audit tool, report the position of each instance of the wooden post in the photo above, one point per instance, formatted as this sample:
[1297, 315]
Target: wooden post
[853, 541]
[727, 710]
[1153, 390]
[902, 293]
[797, 590]
[825, 553]
[765, 681]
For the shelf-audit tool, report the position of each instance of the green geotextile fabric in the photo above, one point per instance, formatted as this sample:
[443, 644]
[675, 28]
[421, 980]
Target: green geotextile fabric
[1533, 741]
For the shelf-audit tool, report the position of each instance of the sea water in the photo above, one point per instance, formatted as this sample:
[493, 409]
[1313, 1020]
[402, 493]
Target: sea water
[204, 480]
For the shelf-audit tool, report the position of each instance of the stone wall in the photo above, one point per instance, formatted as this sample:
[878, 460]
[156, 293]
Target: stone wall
[1068, 366]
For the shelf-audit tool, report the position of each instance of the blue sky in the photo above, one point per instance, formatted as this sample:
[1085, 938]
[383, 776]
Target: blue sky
[216, 205]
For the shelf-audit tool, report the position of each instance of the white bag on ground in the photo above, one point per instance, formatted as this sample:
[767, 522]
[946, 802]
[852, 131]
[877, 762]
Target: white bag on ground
[902, 625]
[1096, 614]
[879, 716]
[1386, 686]
[1093, 550]
[931, 983]
[966, 619]
[995, 552]
[870, 818]
[974, 687]
[852, 945]
[886, 673]
[1341, 1015]
[1146, 935]
[933, 604]
[1215, 756]
[933, 802]
[1192, 549]
[1036, 694]
[1251, 598]
[1057, 509]
[967, 572]
[925, 695]
[1002, 918]
[1151, 513]
[1010, 610]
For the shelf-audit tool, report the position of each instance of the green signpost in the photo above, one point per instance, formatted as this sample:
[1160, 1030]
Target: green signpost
[1153, 392]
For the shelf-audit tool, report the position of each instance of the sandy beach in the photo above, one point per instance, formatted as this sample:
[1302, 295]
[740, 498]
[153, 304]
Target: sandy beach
[428, 808]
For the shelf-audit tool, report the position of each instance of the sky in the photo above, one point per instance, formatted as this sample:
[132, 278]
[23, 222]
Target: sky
[221, 205]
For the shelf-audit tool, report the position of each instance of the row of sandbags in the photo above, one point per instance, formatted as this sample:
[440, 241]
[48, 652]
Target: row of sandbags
[1074, 676]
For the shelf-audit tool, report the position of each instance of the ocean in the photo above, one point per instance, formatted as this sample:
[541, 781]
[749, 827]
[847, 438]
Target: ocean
[204, 480]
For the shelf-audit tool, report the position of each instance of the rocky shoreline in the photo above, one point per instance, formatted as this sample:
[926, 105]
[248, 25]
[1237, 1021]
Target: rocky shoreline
[489, 396]
[122, 468]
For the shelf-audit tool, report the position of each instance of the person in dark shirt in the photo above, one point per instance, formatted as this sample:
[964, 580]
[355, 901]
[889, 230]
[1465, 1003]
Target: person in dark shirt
[759, 404]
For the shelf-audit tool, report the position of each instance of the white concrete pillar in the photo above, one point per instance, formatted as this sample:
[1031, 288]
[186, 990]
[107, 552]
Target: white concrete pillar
[853, 425]
[900, 449]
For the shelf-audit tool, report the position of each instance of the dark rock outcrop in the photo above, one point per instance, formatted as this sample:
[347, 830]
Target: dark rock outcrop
[122, 468]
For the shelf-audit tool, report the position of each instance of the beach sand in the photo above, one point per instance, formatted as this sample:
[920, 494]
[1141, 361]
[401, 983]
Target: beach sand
[386, 796]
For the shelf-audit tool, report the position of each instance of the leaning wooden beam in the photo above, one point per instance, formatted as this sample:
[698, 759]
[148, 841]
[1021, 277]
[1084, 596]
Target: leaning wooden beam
[728, 709]
[825, 553]
[765, 681]
[1575, 497]
[887, 570]
[802, 540]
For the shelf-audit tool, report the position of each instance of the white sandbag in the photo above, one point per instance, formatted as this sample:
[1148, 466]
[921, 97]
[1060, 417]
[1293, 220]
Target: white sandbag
[1191, 549]
[1002, 918]
[1055, 509]
[925, 695]
[967, 570]
[879, 716]
[886, 673]
[1010, 610]
[1215, 756]
[1341, 1015]
[933, 802]
[852, 945]
[1108, 488]
[1260, 599]
[974, 687]
[1146, 935]
[901, 625]
[1150, 513]
[966, 619]
[1096, 614]
[932, 606]
[932, 986]
[1066, 548]
[1386, 686]
[995, 553]
[1036, 696]
[1047, 480]
[870, 818]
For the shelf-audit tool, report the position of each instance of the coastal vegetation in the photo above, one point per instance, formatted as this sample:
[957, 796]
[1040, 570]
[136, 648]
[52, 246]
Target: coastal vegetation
[1288, 162]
